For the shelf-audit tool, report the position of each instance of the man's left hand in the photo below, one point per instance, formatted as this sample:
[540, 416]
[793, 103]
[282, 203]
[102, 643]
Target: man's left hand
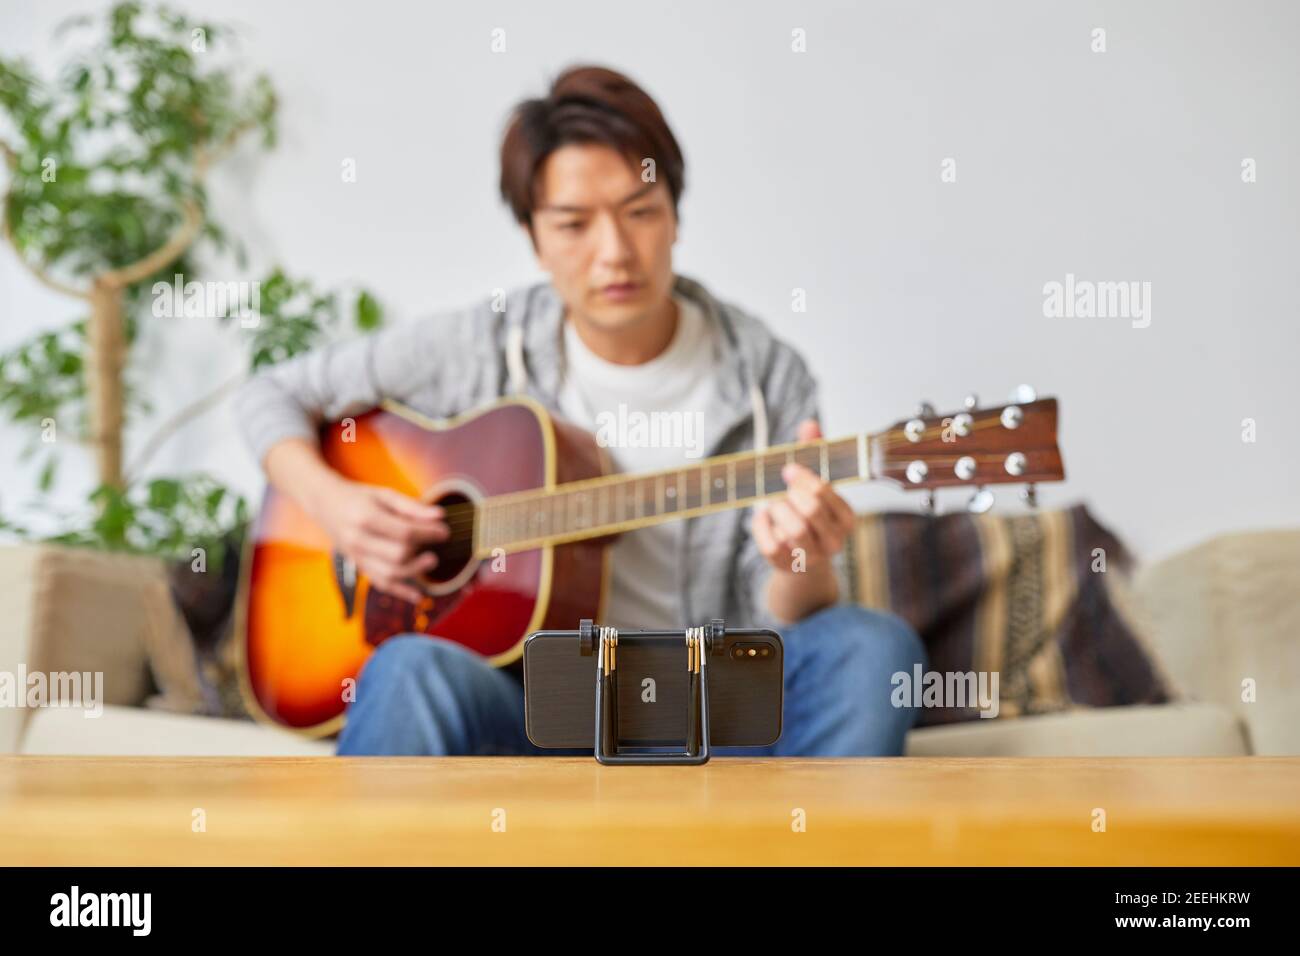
[811, 517]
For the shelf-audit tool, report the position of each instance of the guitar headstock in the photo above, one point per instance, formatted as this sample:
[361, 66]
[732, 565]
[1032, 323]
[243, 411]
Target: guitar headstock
[1005, 444]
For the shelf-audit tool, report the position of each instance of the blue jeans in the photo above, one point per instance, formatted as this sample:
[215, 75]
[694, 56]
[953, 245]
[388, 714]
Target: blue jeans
[427, 696]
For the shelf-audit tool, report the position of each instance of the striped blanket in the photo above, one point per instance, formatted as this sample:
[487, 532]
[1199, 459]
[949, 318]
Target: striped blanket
[1038, 599]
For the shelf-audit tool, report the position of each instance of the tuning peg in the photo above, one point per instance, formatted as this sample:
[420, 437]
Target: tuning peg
[1023, 395]
[925, 410]
[971, 402]
[980, 502]
[1029, 495]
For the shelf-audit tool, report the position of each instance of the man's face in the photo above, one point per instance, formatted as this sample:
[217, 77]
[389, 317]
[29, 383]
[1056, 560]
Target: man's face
[604, 236]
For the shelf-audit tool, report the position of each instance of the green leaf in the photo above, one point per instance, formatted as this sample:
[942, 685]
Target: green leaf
[213, 501]
[369, 315]
[164, 493]
[167, 517]
[46, 480]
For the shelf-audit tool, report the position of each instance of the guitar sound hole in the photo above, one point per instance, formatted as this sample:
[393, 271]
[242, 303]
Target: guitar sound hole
[457, 551]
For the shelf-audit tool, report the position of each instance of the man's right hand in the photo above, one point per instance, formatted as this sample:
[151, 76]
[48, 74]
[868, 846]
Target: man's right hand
[383, 531]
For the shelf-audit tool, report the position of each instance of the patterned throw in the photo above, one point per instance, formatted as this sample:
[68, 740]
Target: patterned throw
[1036, 598]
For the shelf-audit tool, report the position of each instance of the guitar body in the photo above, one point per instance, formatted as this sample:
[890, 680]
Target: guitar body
[309, 621]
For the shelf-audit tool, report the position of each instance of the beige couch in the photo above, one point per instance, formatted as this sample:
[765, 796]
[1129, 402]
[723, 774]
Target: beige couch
[1216, 615]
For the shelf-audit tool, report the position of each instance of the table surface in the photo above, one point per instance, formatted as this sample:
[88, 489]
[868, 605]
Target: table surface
[569, 810]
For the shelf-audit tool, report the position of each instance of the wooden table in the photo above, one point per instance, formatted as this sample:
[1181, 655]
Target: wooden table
[561, 810]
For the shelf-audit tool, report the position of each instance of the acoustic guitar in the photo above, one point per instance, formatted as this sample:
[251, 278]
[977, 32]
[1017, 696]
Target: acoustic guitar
[532, 506]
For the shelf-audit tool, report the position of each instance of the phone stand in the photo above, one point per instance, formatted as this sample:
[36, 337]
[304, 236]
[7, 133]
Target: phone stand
[602, 642]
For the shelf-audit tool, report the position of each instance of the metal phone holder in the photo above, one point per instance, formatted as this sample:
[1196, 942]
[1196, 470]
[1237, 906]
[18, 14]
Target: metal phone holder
[602, 643]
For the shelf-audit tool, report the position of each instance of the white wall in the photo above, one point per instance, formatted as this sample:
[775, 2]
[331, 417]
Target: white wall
[822, 171]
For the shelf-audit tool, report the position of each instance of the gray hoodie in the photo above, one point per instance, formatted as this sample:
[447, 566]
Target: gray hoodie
[455, 361]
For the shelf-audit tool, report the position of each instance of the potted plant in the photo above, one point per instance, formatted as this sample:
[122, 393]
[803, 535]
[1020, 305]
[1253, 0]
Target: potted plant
[105, 167]
[105, 202]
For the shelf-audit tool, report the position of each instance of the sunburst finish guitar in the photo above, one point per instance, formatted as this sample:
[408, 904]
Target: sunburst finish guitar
[532, 507]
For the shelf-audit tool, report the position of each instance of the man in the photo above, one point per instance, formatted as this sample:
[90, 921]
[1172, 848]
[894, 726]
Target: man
[593, 175]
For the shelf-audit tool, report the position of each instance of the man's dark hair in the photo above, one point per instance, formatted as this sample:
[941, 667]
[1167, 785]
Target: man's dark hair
[586, 104]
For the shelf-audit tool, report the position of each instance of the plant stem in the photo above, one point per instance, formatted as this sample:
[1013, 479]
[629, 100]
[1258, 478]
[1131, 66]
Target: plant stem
[173, 424]
[164, 255]
[41, 276]
[106, 337]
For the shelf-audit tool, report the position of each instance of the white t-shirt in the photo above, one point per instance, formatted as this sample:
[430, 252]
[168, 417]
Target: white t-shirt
[648, 417]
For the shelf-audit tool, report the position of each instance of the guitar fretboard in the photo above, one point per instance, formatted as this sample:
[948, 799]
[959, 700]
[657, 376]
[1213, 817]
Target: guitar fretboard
[612, 504]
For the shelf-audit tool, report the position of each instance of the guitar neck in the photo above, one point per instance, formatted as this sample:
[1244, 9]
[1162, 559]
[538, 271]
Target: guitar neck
[612, 504]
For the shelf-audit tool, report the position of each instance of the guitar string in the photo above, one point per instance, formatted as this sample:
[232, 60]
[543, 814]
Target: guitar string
[464, 524]
[793, 449]
[530, 494]
[464, 515]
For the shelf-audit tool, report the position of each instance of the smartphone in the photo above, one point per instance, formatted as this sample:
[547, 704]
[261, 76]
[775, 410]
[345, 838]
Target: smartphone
[745, 689]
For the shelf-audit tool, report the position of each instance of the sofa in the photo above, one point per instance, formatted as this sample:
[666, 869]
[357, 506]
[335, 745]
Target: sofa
[1216, 616]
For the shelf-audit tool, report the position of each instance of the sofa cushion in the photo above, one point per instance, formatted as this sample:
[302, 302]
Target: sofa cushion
[1225, 617]
[69, 609]
[1169, 730]
[1033, 598]
[136, 731]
